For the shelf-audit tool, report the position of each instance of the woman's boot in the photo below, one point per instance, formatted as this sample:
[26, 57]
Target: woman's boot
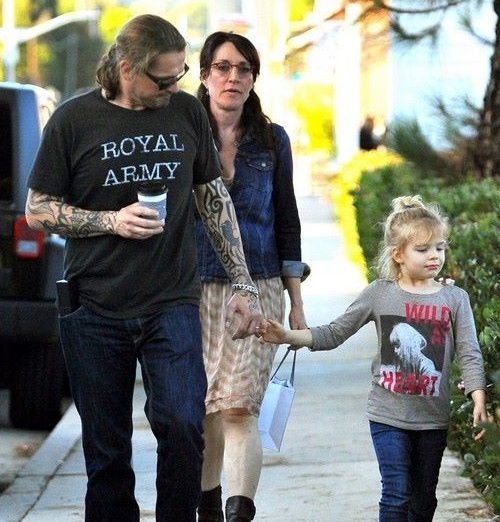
[210, 506]
[239, 509]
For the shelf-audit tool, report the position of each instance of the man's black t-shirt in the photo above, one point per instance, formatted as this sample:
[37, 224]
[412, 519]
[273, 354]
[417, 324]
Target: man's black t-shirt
[95, 155]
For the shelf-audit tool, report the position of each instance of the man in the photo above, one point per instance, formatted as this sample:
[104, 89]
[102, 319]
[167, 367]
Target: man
[137, 279]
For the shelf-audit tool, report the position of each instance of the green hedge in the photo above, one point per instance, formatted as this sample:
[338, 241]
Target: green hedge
[473, 261]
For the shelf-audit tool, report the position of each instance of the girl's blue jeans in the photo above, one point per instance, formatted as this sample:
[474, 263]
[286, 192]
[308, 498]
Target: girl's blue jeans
[409, 463]
[101, 356]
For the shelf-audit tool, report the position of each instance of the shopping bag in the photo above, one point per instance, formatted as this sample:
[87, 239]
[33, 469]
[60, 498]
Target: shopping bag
[276, 407]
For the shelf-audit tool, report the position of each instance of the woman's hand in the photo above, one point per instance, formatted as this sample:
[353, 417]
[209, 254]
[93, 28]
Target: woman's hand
[297, 318]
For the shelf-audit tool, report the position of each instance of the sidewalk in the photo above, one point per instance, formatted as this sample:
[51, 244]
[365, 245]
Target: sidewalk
[326, 470]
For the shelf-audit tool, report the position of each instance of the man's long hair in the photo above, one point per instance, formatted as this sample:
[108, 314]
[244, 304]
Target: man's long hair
[139, 41]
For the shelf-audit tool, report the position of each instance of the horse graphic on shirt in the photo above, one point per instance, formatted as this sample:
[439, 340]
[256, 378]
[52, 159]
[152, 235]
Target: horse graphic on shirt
[411, 371]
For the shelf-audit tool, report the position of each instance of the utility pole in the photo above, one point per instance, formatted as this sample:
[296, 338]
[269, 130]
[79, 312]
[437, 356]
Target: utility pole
[13, 36]
[347, 86]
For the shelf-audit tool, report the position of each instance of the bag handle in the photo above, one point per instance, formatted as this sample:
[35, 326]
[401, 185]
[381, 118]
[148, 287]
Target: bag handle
[292, 374]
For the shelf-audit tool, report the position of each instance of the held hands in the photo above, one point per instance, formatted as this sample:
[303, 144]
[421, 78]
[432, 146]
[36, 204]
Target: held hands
[137, 222]
[271, 331]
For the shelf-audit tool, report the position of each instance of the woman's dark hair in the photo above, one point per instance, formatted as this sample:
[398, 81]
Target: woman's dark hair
[141, 41]
[253, 118]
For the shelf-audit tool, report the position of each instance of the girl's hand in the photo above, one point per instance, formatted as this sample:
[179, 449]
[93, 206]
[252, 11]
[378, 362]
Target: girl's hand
[479, 414]
[271, 331]
[479, 417]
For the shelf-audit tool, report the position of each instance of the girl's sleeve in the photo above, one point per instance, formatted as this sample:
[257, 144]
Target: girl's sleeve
[357, 314]
[467, 351]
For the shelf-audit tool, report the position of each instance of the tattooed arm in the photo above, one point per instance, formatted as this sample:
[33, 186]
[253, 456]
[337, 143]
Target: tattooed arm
[45, 212]
[219, 218]
[217, 213]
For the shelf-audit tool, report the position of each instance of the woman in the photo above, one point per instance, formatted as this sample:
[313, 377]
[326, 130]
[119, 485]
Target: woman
[257, 170]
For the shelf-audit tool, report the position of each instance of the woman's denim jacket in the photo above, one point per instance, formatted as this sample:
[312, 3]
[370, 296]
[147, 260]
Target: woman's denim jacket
[266, 208]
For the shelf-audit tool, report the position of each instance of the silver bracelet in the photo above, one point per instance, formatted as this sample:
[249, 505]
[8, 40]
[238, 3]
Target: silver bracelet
[245, 288]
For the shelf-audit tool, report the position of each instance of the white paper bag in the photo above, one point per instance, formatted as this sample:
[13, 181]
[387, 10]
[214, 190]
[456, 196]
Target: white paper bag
[275, 409]
[274, 412]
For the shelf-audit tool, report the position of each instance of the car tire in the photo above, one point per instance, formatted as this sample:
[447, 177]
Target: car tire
[36, 388]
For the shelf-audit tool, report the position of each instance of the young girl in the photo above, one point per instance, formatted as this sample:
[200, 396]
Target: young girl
[422, 326]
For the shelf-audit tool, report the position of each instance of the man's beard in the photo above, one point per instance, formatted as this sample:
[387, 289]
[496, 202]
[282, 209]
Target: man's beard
[158, 102]
[151, 102]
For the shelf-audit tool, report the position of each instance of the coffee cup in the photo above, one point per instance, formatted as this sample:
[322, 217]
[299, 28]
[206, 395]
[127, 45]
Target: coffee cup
[154, 195]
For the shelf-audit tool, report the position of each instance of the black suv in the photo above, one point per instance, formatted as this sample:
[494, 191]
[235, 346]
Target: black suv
[30, 263]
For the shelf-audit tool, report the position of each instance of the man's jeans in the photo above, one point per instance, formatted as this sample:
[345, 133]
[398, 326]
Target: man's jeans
[101, 356]
[409, 463]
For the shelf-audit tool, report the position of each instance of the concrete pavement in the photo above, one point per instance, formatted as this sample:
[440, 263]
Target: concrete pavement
[326, 470]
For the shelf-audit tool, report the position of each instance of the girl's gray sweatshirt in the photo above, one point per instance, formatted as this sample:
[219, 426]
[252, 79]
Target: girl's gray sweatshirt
[419, 336]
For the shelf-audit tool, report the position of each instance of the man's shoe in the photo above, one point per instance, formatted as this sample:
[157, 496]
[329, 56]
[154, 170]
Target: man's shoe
[210, 506]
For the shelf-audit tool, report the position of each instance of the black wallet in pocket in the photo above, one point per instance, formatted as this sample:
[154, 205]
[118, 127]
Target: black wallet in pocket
[67, 296]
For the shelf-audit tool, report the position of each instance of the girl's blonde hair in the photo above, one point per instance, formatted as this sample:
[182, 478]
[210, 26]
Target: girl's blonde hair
[409, 217]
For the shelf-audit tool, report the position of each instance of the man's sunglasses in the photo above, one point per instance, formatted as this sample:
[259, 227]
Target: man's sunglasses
[165, 83]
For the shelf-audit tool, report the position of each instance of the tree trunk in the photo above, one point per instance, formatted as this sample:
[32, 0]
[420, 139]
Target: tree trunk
[488, 147]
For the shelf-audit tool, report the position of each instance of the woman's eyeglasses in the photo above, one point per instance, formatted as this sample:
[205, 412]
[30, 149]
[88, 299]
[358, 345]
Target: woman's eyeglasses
[224, 68]
[165, 83]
